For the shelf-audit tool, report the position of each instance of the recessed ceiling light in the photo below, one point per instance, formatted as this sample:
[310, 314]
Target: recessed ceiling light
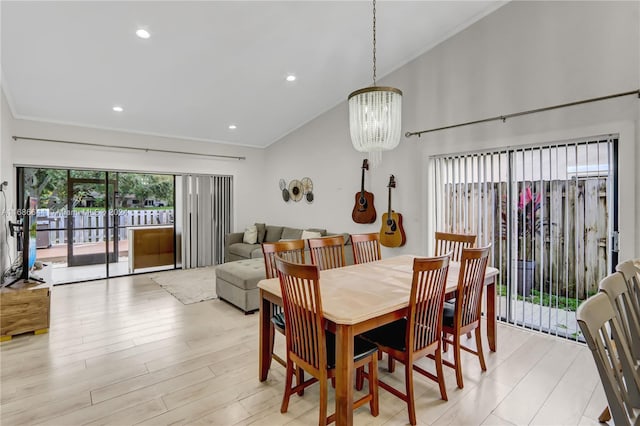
[118, 108]
[232, 127]
[291, 77]
[142, 33]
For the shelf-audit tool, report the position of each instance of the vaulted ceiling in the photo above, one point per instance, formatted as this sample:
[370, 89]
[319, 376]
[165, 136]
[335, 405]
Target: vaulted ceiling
[209, 65]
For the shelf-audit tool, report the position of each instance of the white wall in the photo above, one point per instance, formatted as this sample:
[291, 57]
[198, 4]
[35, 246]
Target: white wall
[525, 55]
[247, 173]
[7, 201]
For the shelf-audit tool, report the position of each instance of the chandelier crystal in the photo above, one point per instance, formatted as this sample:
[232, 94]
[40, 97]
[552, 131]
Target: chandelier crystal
[375, 115]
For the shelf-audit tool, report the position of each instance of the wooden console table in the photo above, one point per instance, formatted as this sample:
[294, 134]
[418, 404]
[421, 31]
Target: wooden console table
[150, 246]
[24, 307]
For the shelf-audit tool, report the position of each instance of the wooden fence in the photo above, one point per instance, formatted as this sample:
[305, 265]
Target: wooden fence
[570, 244]
[95, 220]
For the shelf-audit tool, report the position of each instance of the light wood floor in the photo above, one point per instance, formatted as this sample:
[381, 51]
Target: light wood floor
[124, 351]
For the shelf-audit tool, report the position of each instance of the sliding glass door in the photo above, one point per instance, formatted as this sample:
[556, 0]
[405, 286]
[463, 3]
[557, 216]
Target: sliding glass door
[85, 218]
[549, 213]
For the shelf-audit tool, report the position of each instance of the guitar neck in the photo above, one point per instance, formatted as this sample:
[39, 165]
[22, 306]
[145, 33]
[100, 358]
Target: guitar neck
[389, 212]
[362, 183]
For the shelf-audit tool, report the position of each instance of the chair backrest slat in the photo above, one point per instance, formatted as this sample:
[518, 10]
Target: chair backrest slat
[632, 277]
[615, 287]
[473, 265]
[426, 302]
[366, 247]
[447, 242]
[292, 251]
[327, 252]
[305, 332]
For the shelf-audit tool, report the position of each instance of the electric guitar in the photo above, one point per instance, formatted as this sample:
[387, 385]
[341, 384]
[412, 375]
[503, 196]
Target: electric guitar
[391, 233]
[363, 210]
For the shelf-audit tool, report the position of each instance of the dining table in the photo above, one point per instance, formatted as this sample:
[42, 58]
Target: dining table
[356, 299]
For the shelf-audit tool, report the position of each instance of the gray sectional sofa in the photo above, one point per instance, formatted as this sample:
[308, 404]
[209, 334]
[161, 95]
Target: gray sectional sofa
[237, 278]
[235, 249]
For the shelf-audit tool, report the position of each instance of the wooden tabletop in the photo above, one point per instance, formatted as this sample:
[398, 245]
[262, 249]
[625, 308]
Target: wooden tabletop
[356, 293]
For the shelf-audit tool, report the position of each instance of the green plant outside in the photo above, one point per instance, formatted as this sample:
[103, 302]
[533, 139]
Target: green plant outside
[550, 300]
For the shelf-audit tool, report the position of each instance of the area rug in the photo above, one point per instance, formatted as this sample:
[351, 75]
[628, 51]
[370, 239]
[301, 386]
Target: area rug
[188, 285]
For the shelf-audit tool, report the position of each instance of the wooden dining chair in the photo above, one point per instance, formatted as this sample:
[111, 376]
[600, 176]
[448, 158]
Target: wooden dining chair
[447, 242]
[606, 339]
[310, 345]
[419, 334]
[292, 251]
[632, 277]
[615, 287]
[327, 252]
[366, 247]
[463, 315]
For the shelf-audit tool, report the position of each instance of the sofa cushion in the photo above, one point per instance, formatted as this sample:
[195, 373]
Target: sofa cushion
[262, 232]
[291, 233]
[273, 233]
[244, 274]
[346, 236]
[257, 252]
[242, 249]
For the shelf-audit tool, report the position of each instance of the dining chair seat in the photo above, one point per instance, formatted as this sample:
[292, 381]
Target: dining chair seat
[361, 349]
[278, 320]
[392, 335]
[449, 312]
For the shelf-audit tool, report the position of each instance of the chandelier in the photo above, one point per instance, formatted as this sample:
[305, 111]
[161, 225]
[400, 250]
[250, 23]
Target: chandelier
[375, 115]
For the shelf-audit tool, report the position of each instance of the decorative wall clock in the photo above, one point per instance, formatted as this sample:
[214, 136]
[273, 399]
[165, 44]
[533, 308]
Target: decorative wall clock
[296, 190]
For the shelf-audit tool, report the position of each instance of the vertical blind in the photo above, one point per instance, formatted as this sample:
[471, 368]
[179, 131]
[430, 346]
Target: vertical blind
[547, 212]
[208, 208]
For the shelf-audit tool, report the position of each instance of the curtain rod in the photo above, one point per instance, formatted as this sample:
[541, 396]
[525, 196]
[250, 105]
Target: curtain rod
[15, 138]
[503, 118]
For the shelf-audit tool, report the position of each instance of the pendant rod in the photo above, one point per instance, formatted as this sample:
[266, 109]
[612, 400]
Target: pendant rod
[504, 118]
[166, 151]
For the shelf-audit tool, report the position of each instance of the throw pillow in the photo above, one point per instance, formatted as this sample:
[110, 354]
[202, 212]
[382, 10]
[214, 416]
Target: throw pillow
[262, 232]
[323, 232]
[273, 233]
[310, 234]
[250, 235]
[291, 233]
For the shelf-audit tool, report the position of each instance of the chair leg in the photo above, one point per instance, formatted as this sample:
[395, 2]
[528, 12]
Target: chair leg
[408, 379]
[445, 344]
[272, 341]
[333, 382]
[483, 365]
[391, 363]
[323, 402]
[456, 357]
[287, 387]
[359, 378]
[605, 416]
[440, 373]
[374, 405]
[300, 379]
[379, 355]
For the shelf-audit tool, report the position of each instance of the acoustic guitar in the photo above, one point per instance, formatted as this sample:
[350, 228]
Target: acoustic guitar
[391, 233]
[363, 210]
